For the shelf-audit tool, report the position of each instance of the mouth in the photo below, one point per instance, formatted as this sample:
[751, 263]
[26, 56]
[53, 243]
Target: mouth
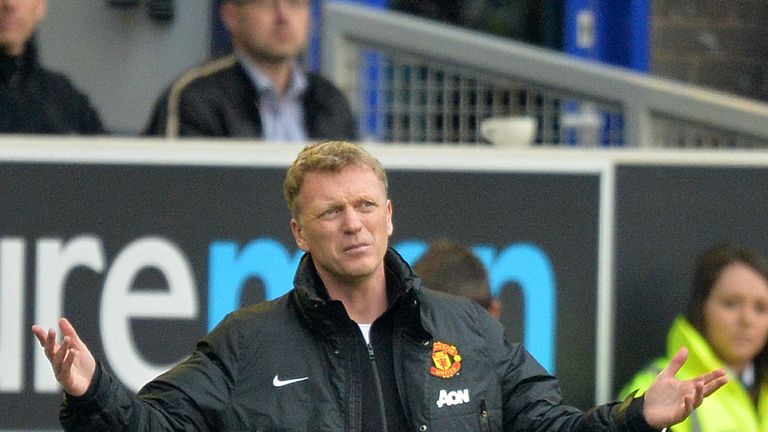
[7, 25]
[743, 340]
[283, 33]
[357, 247]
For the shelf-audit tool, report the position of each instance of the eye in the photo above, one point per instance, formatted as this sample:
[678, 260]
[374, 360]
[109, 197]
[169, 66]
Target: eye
[329, 213]
[367, 205]
[761, 308]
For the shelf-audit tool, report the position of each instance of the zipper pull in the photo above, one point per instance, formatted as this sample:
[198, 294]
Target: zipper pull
[370, 352]
[485, 422]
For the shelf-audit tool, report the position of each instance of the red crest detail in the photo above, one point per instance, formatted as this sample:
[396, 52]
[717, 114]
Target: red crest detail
[446, 361]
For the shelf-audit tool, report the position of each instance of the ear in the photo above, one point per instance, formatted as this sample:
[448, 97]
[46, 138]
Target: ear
[42, 9]
[228, 15]
[298, 236]
[495, 308]
[390, 225]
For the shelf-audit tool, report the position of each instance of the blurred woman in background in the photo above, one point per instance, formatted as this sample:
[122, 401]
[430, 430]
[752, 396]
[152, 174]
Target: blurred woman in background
[725, 326]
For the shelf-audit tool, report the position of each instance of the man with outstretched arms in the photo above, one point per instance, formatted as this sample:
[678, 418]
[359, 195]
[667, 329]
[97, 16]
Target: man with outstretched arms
[357, 345]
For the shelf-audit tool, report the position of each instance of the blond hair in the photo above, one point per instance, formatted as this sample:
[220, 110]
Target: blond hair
[326, 156]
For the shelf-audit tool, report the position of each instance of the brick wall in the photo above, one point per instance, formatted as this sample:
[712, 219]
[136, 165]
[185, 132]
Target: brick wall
[721, 44]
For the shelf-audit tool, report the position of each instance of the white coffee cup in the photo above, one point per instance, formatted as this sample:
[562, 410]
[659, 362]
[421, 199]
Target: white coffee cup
[509, 131]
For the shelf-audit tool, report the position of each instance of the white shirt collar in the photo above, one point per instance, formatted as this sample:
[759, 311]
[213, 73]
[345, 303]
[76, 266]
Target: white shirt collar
[296, 87]
[748, 375]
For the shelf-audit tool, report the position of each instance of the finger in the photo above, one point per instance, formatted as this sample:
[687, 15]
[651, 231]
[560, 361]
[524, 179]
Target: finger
[50, 343]
[715, 383]
[39, 334]
[67, 329]
[676, 363]
[69, 358]
[689, 405]
[711, 376]
[58, 356]
[698, 394]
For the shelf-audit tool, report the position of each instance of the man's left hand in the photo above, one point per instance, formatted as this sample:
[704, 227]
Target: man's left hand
[669, 401]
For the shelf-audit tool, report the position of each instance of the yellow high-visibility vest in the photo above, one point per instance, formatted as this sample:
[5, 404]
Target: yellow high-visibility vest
[730, 409]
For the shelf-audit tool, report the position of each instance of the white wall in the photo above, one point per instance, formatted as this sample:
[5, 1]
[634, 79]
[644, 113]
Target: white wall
[122, 59]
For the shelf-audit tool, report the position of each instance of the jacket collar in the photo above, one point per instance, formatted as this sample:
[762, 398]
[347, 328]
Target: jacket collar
[701, 357]
[330, 317]
[13, 70]
[263, 84]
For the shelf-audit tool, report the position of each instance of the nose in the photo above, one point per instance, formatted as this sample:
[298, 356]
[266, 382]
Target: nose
[749, 316]
[281, 9]
[352, 222]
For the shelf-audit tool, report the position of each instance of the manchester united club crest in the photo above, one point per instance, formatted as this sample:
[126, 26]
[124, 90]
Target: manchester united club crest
[446, 361]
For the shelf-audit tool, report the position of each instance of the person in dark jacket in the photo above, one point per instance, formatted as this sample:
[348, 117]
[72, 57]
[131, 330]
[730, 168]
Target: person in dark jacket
[357, 345]
[33, 99]
[259, 91]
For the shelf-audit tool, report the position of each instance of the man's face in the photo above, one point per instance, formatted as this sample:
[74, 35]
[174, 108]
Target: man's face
[18, 19]
[345, 222]
[270, 31]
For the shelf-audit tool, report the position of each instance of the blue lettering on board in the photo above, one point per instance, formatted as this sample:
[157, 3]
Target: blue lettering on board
[268, 260]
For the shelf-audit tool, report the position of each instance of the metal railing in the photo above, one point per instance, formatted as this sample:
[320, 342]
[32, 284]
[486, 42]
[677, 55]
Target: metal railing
[413, 80]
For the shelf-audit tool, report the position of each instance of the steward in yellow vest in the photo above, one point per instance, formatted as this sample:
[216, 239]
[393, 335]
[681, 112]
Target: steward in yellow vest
[730, 409]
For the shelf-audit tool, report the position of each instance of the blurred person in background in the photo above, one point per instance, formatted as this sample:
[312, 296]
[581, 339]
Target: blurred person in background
[34, 99]
[261, 90]
[453, 268]
[725, 326]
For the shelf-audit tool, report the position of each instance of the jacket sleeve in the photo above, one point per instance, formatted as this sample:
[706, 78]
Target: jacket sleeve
[189, 397]
[532, 401]
[328, 113]
[156, 123]
[349, 130]
[89, 122]
[188, 113]
[644, 378]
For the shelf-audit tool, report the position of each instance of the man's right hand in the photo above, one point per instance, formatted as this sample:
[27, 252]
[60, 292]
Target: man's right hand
[73, 365]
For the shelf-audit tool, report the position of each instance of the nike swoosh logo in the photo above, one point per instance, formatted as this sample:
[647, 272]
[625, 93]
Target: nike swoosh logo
[277, 382]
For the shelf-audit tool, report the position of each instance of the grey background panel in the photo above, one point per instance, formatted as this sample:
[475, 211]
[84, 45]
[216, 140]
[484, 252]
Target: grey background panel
[665, 216]
[122, 59]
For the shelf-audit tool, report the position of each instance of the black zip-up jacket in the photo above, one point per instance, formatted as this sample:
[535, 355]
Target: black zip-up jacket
[218, 99]
[35, 100]
[292, 365]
